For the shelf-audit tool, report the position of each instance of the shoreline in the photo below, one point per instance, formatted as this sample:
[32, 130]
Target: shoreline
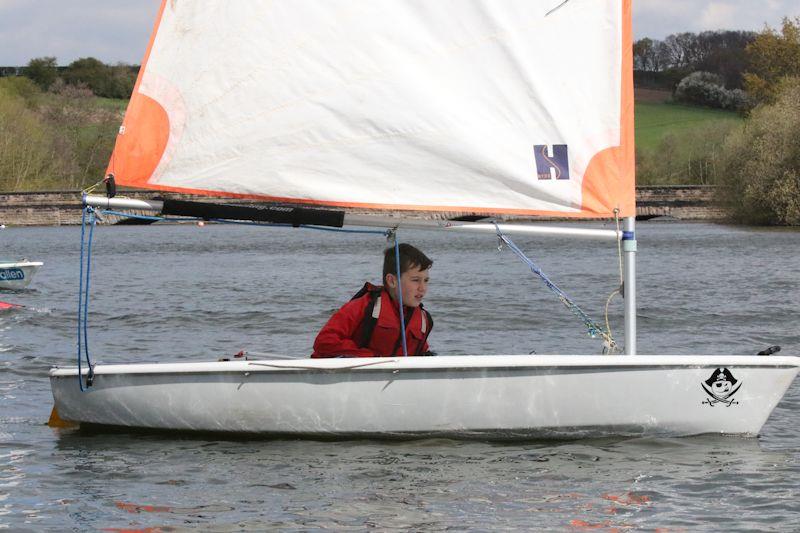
[63, 208]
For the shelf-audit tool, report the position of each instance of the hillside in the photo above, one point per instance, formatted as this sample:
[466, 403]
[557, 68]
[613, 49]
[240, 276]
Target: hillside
[70, 136]
[677, 144]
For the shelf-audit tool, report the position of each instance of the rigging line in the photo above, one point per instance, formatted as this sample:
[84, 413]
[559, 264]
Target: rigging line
[91, 188]
[80, 295]
[621, 273]
[83, 297]
[593, 327]
[608, 302]
[619, 245]
[559, 6]
[93, 221]
[400, 293]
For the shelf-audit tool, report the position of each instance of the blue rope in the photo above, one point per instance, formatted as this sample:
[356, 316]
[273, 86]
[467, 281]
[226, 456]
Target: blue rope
[80, 295]
[83, 296]
[92, 221]
[594, 329]
[400, 294]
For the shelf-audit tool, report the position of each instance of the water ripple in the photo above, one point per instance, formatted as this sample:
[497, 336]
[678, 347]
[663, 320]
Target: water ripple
[187, 293]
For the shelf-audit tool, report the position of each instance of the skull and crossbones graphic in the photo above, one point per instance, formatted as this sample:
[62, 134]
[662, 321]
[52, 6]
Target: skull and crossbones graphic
[721, 387]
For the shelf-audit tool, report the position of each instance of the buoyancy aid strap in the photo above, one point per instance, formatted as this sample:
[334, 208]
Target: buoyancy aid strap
[371, 313]
[427, 326]
[376, 306]
[427, 319]
[399, 344]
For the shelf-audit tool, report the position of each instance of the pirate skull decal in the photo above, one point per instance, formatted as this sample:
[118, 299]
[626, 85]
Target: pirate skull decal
[721, 387]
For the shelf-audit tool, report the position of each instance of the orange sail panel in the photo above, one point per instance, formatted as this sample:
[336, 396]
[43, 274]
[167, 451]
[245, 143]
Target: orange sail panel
[490, 106]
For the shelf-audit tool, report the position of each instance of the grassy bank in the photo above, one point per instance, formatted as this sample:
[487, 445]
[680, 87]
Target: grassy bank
[54, 140]
[655, 121]
[68, 137]
[678, 144]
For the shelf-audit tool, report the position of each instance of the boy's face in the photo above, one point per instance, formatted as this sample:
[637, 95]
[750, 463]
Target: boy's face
[414, 283]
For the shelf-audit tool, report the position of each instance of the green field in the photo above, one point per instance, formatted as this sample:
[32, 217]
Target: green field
[654, 121]
[113, 104]
[679, 144]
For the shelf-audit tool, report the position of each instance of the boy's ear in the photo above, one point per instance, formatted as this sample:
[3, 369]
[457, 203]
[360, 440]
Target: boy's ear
[391, 281]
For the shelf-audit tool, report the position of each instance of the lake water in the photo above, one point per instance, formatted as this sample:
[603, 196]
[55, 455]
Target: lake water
[183, 292]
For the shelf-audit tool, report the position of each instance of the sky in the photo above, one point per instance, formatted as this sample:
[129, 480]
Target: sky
[118, 30]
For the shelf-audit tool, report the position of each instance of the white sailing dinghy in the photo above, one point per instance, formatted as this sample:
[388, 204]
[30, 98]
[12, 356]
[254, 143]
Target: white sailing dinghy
[15, 275]
[495, 107]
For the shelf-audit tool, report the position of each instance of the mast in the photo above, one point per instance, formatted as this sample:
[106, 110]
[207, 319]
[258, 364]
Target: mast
[629, 283]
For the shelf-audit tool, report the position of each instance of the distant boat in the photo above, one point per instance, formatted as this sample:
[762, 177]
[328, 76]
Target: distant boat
[8, 305]
[18, 274]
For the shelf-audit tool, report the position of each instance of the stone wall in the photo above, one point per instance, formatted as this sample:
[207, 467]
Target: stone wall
[684, 202]
[64, 207]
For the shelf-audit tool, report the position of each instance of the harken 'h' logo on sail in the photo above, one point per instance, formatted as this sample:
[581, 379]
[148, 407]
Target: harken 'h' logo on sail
[553, 163]
[721, 387]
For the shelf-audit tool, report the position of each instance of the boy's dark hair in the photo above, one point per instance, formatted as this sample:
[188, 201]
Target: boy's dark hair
[409, 257]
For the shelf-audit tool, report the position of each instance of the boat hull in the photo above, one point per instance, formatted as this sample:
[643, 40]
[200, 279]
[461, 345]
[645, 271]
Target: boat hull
[18, 275]
[463, 396]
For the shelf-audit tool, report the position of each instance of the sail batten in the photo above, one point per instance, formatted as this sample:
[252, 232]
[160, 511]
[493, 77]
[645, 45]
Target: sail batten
[487, 106]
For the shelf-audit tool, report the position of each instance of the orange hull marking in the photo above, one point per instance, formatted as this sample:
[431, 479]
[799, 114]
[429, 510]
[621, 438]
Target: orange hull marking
[56, 421]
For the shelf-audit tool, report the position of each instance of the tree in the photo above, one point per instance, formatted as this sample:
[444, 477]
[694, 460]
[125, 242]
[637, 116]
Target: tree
[90, 71]
[724, 54]
[42, 71]
[109, 81]
[123, 78]
[665, 63]
[26, 142]
[641, 52]
[759, 180]
[771, 57]
[707, 89]
[683, 50]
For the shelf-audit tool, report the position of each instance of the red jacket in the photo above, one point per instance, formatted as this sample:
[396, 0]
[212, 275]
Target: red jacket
[339, 336]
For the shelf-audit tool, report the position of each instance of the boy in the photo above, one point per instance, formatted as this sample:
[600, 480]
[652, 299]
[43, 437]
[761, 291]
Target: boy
[369, 324]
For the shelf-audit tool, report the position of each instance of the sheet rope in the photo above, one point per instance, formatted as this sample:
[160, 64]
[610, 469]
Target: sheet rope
[399, 290]
[620, 289]
[594, 329]
[88, 218]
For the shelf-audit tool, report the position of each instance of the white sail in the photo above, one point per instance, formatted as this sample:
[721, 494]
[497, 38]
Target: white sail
[503, 106]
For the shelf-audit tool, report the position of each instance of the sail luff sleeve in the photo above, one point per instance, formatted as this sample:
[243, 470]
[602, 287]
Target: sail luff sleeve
[295, 216]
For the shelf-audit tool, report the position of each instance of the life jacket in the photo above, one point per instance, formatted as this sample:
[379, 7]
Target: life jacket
[366, 331]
